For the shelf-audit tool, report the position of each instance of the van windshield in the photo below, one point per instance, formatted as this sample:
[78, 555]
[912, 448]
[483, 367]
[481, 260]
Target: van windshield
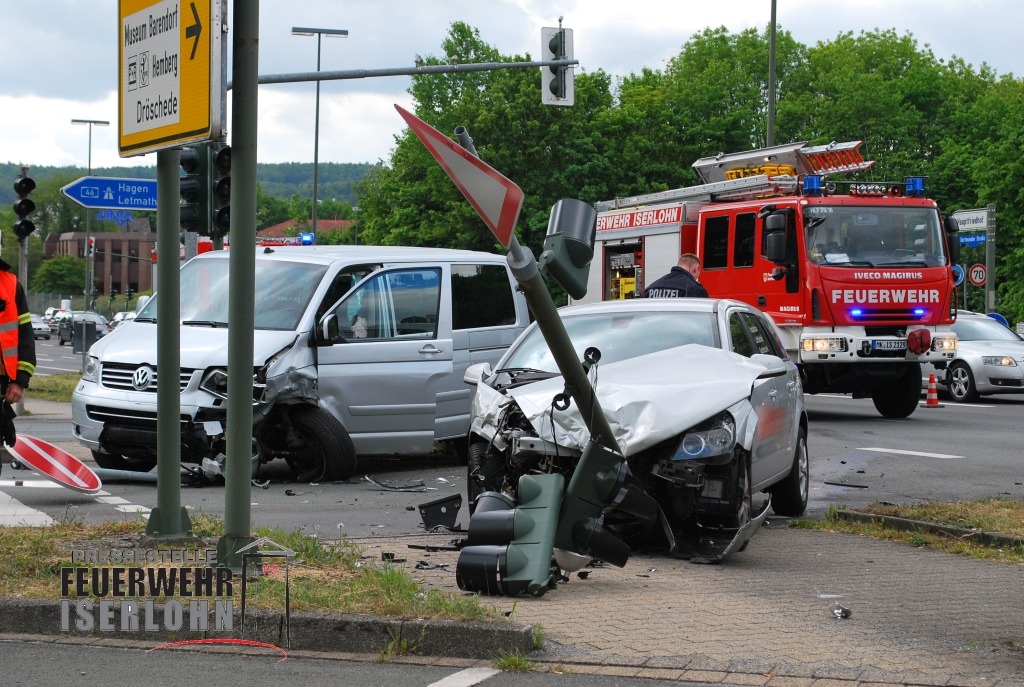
[282, 292]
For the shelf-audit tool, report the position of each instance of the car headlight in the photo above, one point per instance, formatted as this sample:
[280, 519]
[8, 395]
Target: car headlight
[1000, 360]
[944, 344]
[91, 372]
[216, 383]
[714, 437]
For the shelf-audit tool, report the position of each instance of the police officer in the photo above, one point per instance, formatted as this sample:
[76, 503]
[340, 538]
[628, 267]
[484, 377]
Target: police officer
[680, 282]
[17, 349]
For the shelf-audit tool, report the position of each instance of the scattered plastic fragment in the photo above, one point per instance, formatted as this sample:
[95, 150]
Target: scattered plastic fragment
[841, 612]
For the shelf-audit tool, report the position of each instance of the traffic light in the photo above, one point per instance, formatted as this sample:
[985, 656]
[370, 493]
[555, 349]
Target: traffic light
[600, 483]
[509, 547]
[556, 81]
[90, 247]
[220, 185]
[569, 245]
[195, 189]
[128, 293]
[24, 206]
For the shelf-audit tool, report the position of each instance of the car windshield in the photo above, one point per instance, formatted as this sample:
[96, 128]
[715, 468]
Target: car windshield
[872, 236]
[983, 329]
[283, 289]
[619, 336]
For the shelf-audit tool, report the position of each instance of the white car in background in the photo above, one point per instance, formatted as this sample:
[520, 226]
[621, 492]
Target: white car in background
[40, 329]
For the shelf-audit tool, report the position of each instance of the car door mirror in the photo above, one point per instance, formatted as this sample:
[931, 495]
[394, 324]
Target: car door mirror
[480, 372]
[773, 366]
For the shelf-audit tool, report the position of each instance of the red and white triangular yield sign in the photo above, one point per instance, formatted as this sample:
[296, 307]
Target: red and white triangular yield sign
[496, 199]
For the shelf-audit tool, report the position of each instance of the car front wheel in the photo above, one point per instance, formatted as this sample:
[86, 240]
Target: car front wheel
[961, 384]
[327, 452]
[789, 497]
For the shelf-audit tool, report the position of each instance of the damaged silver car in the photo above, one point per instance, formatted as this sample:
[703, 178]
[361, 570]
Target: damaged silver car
[704, 403]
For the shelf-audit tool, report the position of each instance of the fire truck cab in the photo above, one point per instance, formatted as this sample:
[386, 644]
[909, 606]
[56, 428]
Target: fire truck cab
[857, 275]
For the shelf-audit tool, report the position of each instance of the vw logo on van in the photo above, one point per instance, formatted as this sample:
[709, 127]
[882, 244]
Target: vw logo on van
[142, 378]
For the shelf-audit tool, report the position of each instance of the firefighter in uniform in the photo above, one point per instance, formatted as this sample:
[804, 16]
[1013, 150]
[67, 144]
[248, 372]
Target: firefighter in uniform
[680, 282]
[17, 348]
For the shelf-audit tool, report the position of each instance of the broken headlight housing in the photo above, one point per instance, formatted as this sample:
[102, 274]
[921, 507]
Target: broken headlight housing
[714, 437]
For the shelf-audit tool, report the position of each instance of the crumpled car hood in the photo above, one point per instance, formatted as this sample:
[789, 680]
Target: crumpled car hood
[646, 399]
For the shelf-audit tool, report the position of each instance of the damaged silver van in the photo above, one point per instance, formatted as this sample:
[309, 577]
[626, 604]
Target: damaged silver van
[358, 350]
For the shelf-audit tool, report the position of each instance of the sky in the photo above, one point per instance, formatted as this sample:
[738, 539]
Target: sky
[59, 59]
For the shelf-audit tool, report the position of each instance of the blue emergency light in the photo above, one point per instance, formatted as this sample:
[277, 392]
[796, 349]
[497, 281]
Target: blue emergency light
[812, 185]
[856, 312]
[915, 187]
[306, 239]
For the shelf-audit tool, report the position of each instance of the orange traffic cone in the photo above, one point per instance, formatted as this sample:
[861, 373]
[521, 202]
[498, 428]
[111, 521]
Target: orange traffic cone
[933, 393]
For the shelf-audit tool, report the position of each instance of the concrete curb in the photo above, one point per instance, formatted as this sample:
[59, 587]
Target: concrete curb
[907, 525]
[319, 632]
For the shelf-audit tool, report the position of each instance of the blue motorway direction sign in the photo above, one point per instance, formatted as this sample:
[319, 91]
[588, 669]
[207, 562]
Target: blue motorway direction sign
[110, 193]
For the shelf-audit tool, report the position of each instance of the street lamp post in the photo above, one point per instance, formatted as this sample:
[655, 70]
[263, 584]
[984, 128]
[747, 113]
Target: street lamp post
[319, 33]
[88, 218]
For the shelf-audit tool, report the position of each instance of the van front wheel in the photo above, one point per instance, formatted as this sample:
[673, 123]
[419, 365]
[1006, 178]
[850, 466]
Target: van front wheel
[326, 452]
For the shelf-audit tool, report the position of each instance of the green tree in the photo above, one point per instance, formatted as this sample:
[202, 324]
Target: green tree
[60, 274]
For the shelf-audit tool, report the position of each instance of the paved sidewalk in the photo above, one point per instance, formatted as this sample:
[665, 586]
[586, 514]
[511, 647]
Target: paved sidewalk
[919, 617]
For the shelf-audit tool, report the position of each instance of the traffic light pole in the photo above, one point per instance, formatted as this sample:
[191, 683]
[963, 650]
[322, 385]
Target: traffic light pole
[168, 520]
[241, 308]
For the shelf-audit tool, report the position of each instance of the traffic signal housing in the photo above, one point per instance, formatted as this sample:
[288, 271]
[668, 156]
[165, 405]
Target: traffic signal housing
[220, 189]
[600, 483]
[509, 546]
[195, 189]
[557, 86]
[24, 206]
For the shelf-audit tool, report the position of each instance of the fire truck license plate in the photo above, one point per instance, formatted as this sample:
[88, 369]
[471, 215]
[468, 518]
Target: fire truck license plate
[888, 345]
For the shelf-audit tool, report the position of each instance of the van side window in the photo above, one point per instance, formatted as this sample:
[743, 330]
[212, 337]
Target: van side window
[399, 304]
[481, 297]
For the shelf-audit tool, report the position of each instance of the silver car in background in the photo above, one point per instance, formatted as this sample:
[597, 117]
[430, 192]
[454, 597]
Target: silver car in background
[990, 360]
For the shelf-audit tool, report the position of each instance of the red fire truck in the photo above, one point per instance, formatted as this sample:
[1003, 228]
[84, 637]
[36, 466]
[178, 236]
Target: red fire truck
[857, 275]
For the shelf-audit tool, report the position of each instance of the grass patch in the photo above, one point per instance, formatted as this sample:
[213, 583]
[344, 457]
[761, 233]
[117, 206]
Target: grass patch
[1003, 516]
[513, 662]
[329, 575]
[53, 387]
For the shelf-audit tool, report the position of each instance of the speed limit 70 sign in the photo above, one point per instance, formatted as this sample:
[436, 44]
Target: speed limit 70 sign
[977, 274]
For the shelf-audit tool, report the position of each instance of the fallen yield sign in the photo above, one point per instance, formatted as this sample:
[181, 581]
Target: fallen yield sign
[496, 199]
[55, 464]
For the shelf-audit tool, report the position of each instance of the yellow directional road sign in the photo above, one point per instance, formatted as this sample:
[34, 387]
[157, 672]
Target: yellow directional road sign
[170, 83]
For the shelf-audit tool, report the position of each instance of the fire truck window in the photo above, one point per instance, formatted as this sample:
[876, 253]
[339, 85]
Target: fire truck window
[716, 243]
[743, 241]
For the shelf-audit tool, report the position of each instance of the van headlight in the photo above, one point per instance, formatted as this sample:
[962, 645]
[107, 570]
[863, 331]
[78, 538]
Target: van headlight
[714, 437]
[91, 371]
[216, 382]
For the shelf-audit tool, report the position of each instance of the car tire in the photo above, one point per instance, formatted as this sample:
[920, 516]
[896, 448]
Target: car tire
[744, 496]
[328, 453]
[900, 398]
[789, 497]
[960, 383]
[60, 341]
[114, 461]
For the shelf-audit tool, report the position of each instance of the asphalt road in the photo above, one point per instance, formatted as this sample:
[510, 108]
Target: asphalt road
[957, 451]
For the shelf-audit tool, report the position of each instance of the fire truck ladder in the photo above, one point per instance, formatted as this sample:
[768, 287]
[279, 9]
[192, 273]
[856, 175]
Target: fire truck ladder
[757, 173]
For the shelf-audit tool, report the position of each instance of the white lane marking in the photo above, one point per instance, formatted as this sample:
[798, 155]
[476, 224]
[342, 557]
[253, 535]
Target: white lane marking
[34, 483]
[111, 499]
[944, 456]
[14, 513]
[465, 678]
[132, 508]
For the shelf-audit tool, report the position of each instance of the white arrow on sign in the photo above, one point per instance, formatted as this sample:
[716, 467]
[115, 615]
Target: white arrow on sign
[496, 199]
